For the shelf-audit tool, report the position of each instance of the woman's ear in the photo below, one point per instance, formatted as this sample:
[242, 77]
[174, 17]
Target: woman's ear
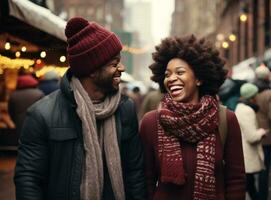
[199, 83]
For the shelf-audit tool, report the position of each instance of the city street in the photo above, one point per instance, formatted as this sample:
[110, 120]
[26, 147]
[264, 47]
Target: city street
[80, 78]
[7, 164]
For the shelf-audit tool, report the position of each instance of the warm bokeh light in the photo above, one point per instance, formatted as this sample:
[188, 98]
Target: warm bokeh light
[43, 54]
[134, 50]
[17, 54]
[62, 59]
[217, 44]
[232, 37]
[225, 45]
[23, 49]
[7, 46]
[38, 61]
[220, 37]
[59, 70]
[6, 62]
[243, 17]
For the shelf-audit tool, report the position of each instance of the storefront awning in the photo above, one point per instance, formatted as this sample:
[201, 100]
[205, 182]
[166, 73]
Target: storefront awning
[39, 17]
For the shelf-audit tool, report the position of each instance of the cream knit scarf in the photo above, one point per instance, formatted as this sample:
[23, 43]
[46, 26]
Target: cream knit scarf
[94, 144]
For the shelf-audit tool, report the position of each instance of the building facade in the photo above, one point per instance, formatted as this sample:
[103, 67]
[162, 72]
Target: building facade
[241, 29]
[106, 12]
[249, 22]
[192, 16]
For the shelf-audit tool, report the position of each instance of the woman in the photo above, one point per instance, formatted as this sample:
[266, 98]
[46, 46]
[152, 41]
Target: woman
[251, 136]
[184, 157]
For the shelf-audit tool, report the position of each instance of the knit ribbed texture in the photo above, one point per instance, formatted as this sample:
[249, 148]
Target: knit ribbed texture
[95, 143]
[193, 123]
[90, 46]
[26, 81]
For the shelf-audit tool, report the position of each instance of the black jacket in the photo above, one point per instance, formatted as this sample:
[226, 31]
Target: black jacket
[51, 153]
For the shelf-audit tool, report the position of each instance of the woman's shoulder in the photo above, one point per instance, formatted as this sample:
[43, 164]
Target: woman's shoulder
[150, 116]
[148, 124]
[232, 122]
[231, 117]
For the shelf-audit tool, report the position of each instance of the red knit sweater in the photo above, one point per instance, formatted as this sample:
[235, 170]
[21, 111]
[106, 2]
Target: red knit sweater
[230, 179]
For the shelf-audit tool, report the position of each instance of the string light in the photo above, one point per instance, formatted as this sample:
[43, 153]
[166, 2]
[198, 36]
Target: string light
[38, 61]
[220, 37]
[23, 49]
[232, 37]
[7, 46]
[43, 54]
[243, 17]
[62, 59]
[6, 62]
[133, 50]
[225, 45]
[17, 54]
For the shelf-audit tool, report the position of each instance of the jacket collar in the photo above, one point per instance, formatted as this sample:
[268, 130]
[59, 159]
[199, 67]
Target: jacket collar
[66, 88]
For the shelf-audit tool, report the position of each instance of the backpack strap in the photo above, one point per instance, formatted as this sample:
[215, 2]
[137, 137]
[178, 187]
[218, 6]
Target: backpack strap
[223, 126]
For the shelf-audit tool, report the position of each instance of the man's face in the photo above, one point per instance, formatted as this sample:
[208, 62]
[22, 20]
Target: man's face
[108, 78]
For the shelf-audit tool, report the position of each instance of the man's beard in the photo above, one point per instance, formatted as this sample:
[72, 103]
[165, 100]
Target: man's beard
[105, 83]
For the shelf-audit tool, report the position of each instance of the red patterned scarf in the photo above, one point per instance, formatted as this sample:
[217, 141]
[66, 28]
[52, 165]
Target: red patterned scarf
[193, 123]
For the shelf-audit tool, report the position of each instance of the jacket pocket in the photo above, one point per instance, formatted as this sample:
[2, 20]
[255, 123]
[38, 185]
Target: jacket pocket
[62, 134]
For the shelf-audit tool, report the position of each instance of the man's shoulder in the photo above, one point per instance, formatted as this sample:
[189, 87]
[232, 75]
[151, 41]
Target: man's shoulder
[45, 104]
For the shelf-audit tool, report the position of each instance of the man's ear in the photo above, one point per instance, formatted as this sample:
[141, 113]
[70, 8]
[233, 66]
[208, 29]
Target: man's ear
[94, 74]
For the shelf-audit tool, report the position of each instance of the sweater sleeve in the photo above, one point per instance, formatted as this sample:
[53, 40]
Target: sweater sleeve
[234, 170]
[147, 133]
[248, 123]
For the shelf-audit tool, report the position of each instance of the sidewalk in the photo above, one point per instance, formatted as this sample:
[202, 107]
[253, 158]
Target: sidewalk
[7, 164]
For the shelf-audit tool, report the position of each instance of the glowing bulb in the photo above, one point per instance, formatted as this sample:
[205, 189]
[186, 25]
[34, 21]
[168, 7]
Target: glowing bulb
[7, 46]
[62, 59]
[17, 54]
[23, 49]
[243, 17]
[38, 61]
[43, 54]
[232, 37]
[220, 37]
[225, 45]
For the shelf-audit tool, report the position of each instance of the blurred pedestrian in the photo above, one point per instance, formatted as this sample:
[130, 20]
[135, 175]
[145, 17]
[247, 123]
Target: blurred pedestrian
[263, 100]
[5, 120]
[184, 153]
[49, 82]
[251, 136]
[82, 141]
[136, 96]
[229, 92]
[150, 102]
[22, 98]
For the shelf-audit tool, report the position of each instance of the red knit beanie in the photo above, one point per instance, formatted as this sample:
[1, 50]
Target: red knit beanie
[90, 46]
[26, 81]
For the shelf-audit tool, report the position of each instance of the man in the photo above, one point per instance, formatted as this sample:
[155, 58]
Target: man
[264, 121]
[81, 142]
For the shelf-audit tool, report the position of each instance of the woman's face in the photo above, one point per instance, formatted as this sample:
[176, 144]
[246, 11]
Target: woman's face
[180, 81]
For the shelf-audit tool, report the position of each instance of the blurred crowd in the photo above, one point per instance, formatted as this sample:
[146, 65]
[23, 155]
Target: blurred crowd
[29, 89]
[251, 101]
